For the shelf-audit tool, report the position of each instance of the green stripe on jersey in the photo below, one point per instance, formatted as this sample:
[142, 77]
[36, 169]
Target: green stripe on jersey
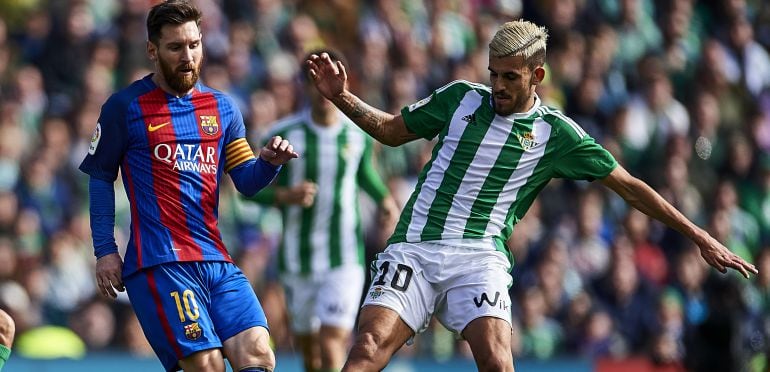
[328, 234]
[306, 222]
[493, 185]
[453, 172]
[335, 252]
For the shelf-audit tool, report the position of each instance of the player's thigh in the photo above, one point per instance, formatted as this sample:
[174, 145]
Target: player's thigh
[381, 329]
[250, 347]
[338, 296]
[238, 316]
[490, 341]
[301, 294]
[477, 305]
[173, 311]
[478, 289]
[398, 284]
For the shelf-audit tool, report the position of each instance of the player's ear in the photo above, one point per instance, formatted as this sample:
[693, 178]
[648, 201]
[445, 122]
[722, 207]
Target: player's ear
[538, 74]
[152, 51]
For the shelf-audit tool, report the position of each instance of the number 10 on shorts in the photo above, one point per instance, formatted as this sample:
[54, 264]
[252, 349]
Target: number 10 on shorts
[190, 305]
[401, 271]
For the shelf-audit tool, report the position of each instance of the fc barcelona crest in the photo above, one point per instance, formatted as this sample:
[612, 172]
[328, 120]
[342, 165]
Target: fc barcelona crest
[209, 124]
[192, 331]
[527, 140]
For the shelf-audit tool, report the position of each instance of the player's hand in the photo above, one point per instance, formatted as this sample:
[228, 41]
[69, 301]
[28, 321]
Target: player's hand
[302, 194]
[278, 151]
[109, 269]
[330, 78]
[721, 258]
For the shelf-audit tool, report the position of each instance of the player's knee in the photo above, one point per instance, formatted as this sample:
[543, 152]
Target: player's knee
[259, 356]
[367, 346]
[265, 354]
[495, 363]
[204, 361]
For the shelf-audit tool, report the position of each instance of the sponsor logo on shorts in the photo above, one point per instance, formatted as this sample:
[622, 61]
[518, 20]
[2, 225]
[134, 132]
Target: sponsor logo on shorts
[497, 302]
[192, 331]
[335, 309]
[376, 293]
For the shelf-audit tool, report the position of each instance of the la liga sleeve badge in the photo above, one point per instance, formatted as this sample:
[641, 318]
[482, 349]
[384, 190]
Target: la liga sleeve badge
[95, 139]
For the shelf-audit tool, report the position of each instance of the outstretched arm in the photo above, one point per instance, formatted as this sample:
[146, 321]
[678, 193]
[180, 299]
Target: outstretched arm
[331, 80]
[642, 197]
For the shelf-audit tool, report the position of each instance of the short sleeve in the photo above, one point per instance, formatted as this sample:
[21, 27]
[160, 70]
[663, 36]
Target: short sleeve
[428, 116]
[584, 160]
[108, 142]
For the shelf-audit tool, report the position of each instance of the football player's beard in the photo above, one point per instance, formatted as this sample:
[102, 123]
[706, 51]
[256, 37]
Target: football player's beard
[176, 79]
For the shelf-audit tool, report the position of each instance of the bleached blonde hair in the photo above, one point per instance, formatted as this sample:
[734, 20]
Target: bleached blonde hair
[520, 38]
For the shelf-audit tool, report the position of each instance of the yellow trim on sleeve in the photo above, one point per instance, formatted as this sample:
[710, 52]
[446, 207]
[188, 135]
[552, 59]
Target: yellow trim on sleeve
[237, 152]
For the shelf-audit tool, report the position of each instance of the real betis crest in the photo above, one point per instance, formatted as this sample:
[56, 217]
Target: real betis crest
[527, 140]
[376, 293]
[209, 124]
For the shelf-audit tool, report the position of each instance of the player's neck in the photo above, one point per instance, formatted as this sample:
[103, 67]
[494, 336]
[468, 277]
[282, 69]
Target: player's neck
[324, 118]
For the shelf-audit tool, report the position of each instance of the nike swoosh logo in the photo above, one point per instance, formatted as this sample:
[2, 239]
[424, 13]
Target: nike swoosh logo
[153, 128]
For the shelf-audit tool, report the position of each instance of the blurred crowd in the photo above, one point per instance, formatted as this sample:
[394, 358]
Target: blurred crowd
[677, 90]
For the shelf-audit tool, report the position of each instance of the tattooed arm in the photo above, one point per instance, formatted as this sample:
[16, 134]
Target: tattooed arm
[331, 80]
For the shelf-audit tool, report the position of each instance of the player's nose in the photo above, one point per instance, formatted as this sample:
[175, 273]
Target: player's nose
[187, 55]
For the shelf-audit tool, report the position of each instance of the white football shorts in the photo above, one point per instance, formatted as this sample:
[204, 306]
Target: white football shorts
[457, 281]
[330, 298]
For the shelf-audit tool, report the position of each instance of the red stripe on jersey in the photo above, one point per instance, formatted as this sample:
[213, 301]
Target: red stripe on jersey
[162, 313]
[165, 179]
[210, 131]
[135, 222]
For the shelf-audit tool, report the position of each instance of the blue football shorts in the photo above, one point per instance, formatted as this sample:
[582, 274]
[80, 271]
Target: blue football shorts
[185, 307]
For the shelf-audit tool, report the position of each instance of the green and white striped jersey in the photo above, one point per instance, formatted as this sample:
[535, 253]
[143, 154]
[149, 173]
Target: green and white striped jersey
[486, 169]
[338, 160]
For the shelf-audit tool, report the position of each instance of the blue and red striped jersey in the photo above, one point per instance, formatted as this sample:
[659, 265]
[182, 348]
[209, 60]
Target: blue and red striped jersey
[172, 152]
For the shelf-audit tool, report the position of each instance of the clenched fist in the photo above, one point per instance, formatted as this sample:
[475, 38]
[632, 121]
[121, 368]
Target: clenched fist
[278, 151]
